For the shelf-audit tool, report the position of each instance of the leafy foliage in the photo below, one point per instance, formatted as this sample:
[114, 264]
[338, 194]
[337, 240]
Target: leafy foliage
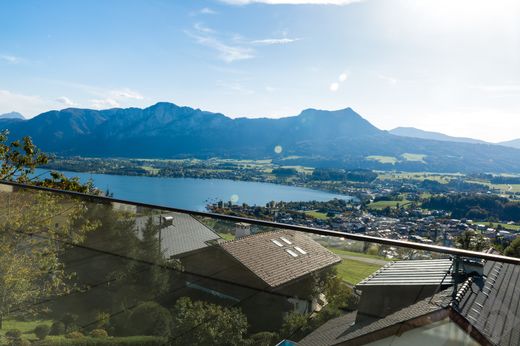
[475, 206]
[98, 333]
[150, 318]
[41, 331]
[57, 328]
[35, 271]
[513, 249]
[19, 158]
[201, 323]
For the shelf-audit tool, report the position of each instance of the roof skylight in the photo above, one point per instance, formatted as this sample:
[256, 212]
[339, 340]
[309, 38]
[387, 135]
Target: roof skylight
[277, 242]
[291, 252]
[300, 250]
[287, 241]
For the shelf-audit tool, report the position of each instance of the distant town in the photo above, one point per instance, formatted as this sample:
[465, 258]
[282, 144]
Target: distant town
[460, 210]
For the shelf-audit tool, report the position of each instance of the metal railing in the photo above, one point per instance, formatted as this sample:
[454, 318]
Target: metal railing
[265, 223]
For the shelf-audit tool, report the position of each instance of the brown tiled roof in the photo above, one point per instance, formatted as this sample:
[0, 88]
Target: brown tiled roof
[270, 256]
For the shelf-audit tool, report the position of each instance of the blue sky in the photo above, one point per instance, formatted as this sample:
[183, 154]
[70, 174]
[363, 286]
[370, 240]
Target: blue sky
[446, 65]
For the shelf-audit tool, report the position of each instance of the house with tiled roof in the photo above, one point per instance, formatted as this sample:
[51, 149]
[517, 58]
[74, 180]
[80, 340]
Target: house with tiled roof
[465, 303]
[179, 233]
[279, 269]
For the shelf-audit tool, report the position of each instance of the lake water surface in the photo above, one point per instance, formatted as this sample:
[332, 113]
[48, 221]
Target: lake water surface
[195, 194]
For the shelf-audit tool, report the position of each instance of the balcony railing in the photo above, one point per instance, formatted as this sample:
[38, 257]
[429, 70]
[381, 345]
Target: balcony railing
[91, 270]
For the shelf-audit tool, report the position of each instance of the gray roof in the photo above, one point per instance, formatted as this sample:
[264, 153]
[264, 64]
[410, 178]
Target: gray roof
[492, 305]
[281, 256]
[344, 330]
[412, 272]
[185, 234]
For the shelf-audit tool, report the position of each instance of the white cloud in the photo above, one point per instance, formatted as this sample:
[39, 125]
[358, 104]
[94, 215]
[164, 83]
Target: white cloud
[207, 10]
[65, 101]
[226, 52]
[390, 80]
[273, 41]
[126, 94]
[334, 87]
[290, 2]
[508, 88]
[343, 77]
[235, 87]
[202, 28]
[10, 59]
[28, 105]
[104, 103]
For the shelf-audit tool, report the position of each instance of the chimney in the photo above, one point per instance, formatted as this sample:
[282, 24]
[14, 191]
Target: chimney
[242, 229]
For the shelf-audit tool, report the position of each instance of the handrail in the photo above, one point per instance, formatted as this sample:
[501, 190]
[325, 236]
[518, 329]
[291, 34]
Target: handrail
[305, 229]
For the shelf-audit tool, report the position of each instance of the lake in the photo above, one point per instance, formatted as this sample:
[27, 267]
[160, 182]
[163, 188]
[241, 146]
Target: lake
[195, 194]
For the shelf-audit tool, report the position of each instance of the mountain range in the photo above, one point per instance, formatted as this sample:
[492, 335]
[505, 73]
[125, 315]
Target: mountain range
[515, 143]
[12, 115]
[317, 138]
[418, 133]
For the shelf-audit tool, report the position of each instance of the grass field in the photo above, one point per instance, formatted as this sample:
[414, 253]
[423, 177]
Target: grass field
[392, 204]
[504, 188]
[383, 159]
[317, 214]
[26, 328]
[352, 272]
[414, 157]
[420, 176]
[356, 254]
[494, 224]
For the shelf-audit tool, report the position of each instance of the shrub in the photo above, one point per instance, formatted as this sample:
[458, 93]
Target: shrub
[74, 335]
[263, 339]
[57, 328]
[20, 342]
[120, 324]
[103, 320]
[99, 333]
[41, 331]
[150, 318]
[116, 341]
[13, 334]
[69, 320]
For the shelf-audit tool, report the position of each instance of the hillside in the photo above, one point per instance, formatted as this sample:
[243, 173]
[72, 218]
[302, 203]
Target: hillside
[318, 138]
[417, 133]
[515, 143]
[12, 115]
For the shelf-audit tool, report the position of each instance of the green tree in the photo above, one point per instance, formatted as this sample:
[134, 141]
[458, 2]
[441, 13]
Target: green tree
[294, 325]
[513, 249]
[35, 228]
[153, 269]
[202, 323]
[339, 294]
[150, 318]
[470, 240]
[20, 158]
[112, 247]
